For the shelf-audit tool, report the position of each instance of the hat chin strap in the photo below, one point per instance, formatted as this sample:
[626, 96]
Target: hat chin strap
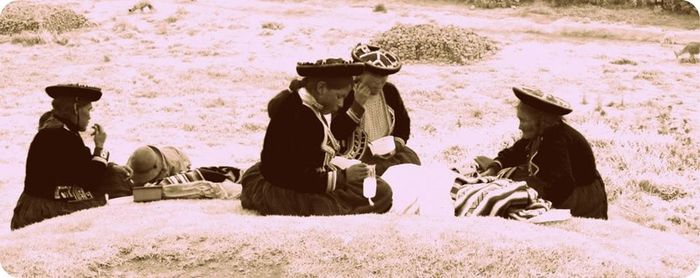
[77, 115]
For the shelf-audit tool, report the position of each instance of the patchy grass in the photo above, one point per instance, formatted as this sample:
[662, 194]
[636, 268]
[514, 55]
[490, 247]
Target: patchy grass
[273, 26]
[592, 13]
[232, 242]
[208, 99]
[623, 61]
[379, 8]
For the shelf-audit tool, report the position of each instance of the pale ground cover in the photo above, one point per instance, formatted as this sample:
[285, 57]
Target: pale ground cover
[197, 75]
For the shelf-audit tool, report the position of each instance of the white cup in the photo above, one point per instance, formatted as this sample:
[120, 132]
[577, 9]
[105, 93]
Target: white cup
[382, 146]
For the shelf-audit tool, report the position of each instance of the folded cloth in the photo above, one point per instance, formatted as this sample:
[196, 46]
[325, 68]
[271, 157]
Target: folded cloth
[213, 182]
[487, 196]
[202, 189]
[211, 173]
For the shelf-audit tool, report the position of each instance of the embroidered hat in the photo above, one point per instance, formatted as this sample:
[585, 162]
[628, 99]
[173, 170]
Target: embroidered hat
[543, 101]
[147, 162]
[78, 91]
[331, 67]
[376, 59]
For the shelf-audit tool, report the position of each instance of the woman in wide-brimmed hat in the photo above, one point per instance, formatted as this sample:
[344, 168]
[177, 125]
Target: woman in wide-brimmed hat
[62, 175]
[373, 110]
[553, 157]
[295, 175]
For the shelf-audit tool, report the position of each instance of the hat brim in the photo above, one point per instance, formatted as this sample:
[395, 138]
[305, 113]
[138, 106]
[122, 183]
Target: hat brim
[330, 70]
[375, 54]
[84, 93]
[381, 71]
[142, 178]
[546, 103]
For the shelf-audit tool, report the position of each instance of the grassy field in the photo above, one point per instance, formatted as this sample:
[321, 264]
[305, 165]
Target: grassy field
[197, 75]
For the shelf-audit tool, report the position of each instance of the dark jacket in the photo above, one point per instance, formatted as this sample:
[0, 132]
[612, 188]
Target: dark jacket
[344, 125]
[563, 161]
[292, 156]
[60, 166]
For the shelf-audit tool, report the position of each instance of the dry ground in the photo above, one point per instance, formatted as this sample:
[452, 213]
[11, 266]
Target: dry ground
[197, 75]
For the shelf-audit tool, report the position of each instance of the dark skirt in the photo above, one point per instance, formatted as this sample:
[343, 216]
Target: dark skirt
[405, 155]
[30, 209]
[589, 201]
[260, 195]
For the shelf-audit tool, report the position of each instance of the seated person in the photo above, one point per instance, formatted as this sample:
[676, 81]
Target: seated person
[295, 175]
[63, 176]
[552, 157]
[374, 109]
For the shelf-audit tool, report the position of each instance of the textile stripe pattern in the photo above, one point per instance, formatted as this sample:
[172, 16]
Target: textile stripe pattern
[486, 196]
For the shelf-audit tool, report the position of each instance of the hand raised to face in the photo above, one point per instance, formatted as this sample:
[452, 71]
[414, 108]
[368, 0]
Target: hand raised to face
[362, 92]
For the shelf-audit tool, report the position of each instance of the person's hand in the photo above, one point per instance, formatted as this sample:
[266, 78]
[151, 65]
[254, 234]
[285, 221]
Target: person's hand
[483, 162]
[489, 172]
[399, 143]
[387, 156]
[355, 174]
[124, 172]
[362, 92]
[100, 136]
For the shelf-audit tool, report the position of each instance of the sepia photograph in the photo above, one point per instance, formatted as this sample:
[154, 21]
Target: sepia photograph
[350, 138]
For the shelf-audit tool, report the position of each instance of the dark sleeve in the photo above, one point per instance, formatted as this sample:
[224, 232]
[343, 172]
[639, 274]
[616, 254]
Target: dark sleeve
[402, 126]
[287, 156]
[555, 179]
[514, 155]
[346, 119]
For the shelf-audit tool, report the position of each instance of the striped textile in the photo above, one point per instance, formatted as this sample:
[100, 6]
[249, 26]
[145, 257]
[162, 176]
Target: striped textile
[183, 177]
[489, 196]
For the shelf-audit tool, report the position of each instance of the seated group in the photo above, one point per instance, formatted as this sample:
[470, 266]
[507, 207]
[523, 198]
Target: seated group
[333, 113]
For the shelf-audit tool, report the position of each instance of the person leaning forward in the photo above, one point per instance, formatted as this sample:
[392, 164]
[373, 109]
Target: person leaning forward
[552, 157]
[62, 175]
[374, 110]
[295, 175]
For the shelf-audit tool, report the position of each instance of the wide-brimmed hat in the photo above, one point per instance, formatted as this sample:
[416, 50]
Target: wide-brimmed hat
[376, 59]
[332, 67]
[77, 91]
[146, 162]
[542, 101]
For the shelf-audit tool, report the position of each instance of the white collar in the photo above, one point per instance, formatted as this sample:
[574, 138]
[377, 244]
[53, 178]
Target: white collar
[309, 100]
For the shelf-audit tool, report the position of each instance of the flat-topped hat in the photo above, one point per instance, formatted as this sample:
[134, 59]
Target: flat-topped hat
[377, 60]
[542, 101]
[332, 67]
[78, 91]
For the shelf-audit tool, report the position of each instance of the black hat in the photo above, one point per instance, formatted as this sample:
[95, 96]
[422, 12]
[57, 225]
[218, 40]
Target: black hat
[80, 92]
[542, 101]
[333, 67]
[376, 59]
